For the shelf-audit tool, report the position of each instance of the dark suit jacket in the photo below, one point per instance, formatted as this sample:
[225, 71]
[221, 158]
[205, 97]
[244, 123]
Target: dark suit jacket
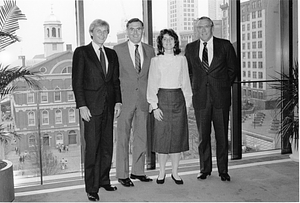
[219, 78]
[91, 87]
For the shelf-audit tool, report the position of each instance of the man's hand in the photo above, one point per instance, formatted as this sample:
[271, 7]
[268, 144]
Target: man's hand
[85, 113]
[158, 114]
[118, 109]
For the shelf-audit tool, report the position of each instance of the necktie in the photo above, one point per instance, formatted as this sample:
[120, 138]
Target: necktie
[102, 61]
[205, 57]
[137, 59]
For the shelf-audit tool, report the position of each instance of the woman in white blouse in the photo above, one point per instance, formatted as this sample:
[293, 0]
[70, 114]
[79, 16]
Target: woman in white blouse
[170, 96]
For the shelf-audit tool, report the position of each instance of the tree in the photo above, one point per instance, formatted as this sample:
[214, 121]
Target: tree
[10, 15]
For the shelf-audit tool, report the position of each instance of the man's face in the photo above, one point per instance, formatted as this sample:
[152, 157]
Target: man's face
[204, 29]
[99, 34]
[135, 32]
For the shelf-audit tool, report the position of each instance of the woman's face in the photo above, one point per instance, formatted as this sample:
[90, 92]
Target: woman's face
[168, 42]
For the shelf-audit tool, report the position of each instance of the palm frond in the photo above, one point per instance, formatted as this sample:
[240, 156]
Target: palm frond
[8, 75]
[10, 14]
[6, 137]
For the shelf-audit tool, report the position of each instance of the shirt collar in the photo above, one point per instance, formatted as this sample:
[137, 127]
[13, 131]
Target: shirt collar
[96, 46]
[131, 44]
[209, 42]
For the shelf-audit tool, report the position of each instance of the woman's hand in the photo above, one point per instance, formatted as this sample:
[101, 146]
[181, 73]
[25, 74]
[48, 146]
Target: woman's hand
[158, 114]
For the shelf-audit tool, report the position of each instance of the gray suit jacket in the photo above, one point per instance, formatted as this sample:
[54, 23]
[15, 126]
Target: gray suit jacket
[133, 85]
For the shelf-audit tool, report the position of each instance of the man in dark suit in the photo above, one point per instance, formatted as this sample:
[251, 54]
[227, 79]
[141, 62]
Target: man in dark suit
[134, 59]
[213, 66]
[96, 85]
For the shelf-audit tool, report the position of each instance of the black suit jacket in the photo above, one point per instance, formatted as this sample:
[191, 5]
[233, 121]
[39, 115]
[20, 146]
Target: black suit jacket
[219, 78]
[91, 87]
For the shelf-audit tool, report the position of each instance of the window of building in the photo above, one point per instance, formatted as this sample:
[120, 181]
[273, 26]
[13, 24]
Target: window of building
[254, 86]
[46, 140]
[243, 46]
[259, 44]
[57, 95]
[254, 54]
[30, 98]
[258, 3]
[244, 55]
[254, 75]
[248, 26]
[253, 14]
[243, 27]
[59, 139]
[260, 64]
[253, 35]
[253, 5]
[67, 70]
[32, 141]
[253, 25]
[254, 64]
[58, 116]
[259, 24]
[248, 45]
[31, 118]
[260, 54]
[71, 116]
[259, 34]
[253, 45]
[260, 95]
[260, 85]
[249, 64]
[71, 96]
[254, 92]
[44, 96]
[248, 36]
[45, 118]
[260, 75]
[249, 55]
[249, 74]
[244, 64]
[259, 15]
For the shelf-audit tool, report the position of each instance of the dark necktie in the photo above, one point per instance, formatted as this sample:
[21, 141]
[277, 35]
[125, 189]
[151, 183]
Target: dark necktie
[102, 61]
[205, 57]
[137, 59]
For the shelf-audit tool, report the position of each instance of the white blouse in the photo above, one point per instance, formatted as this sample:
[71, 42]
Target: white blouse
[170, 72]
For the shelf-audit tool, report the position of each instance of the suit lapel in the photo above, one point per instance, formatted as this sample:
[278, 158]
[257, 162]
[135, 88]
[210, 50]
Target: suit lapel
[217, 50]
[94, 58]
[145, 62]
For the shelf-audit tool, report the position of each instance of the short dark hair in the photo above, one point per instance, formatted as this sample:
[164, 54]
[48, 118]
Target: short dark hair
[206, 18]
[132, 20]
[173, 34]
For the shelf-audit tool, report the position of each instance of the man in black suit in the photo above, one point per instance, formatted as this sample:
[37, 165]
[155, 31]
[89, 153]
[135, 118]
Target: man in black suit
[213, 67]
[96, 85]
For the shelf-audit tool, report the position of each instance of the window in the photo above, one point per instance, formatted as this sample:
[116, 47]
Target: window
[244, 56]
[53, 32]
[253, 25]
[260, 75]
[243, 45]
[249, 64]
[71, 96]
[259, 24]
[253, 15]
[259, 34]
[58, 117]
[259, 44]
[244, 73]
[248, 36]
[254, 86]
[260, 54]
[248, 45]
[30, 97]
[253, 45]
[244, 64]
[71, 116]
[249, 55]
[243, 27]
[57, 95]
[45, 118]
[59, 139]
[260, 85]
[260, 64]
[259, 14]
[253, 35]
[67, 70]
[44, 97]
[249, 74]
[254, 75]
[248, 26]
[31, 118]
[32, 141]
[254, 64]
[254, 54]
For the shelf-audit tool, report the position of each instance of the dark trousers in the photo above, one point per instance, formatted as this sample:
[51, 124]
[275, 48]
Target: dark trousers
[98, 135]
[219, 118]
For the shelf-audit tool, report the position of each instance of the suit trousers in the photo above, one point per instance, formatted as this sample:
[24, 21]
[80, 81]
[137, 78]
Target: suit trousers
[131, 122]
[98, 135]
[219, 118]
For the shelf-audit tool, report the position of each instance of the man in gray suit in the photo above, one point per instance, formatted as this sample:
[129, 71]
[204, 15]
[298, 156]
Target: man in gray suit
[134, 61]
[213, 67]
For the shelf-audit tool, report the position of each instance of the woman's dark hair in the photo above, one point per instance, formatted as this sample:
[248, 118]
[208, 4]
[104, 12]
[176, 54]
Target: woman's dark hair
[160, 47]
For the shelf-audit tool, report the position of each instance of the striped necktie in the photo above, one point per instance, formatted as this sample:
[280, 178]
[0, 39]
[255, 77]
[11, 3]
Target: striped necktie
[102, 61]
[205, 57]
[137, 59]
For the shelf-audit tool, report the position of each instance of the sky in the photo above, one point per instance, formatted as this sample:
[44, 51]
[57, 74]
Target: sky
[115, 12]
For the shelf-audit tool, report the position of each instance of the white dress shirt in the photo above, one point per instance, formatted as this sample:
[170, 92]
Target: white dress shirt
[131, 47]
[96, 49]
[169, 72]
[210, 49]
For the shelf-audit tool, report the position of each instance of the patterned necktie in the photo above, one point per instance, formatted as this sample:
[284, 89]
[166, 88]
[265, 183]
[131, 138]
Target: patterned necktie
[205, 57]
[102, 61]
[137, 59]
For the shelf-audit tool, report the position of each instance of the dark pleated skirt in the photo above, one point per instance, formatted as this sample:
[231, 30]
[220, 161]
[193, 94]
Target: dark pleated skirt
[171, 135]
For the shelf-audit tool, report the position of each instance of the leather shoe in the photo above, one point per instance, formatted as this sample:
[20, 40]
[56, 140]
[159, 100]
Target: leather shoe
[93, 197]
[126, 182]
[224, 176]
[109, 187]
[160, 181]
[178, 182]
[142, 178]
[203, 175]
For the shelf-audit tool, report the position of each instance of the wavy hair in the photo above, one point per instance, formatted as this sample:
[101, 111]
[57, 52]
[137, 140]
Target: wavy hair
[160, 47]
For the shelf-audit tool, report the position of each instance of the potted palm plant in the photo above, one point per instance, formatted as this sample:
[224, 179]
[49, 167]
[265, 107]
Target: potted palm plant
[289, 108]
[10, 14]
